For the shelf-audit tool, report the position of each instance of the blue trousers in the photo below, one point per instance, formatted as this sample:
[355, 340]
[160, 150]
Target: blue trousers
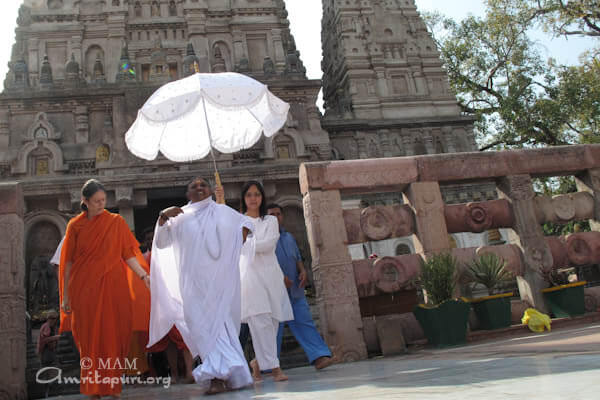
[304, 330]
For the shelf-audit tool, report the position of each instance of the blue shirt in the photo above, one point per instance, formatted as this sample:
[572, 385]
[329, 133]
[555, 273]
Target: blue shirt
[288, 254]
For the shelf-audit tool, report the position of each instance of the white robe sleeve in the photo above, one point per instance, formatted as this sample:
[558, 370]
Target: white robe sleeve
[165, 300]
[268, 242]
[56, 257]
[163, 237]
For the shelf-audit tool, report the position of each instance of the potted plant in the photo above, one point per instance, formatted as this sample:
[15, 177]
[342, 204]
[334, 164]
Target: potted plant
[443, 319]
[565, 296]
[493, 311]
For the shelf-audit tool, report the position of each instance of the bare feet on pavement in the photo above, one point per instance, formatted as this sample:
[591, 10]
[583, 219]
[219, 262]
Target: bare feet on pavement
[255, 371]
[217, 386]
[323, 362]
[278, 375]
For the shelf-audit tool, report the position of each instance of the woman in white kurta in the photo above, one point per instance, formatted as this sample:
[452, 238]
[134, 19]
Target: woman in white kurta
[265, 302]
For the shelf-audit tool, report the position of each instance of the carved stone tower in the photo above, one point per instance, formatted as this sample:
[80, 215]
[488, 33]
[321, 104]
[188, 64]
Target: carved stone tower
[385, 90]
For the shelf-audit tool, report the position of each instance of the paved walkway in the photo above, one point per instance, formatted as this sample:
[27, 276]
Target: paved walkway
[563, 364]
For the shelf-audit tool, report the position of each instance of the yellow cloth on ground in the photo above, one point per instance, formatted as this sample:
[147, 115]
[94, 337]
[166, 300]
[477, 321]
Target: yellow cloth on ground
[535, 320]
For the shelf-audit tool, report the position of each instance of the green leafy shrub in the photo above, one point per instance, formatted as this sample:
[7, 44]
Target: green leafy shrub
[488, 270]
[438, 277]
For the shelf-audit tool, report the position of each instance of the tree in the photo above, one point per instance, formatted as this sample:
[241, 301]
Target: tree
[499, 76]
[568, 17]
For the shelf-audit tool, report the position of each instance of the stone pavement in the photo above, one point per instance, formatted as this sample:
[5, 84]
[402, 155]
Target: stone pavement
[562, 364]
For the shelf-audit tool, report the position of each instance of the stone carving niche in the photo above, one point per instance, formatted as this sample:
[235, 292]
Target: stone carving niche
[40, 155]
[285, 145]
[42, 129]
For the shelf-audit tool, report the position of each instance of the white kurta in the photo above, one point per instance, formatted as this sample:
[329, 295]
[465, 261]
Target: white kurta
[263, 290]
[195, 286]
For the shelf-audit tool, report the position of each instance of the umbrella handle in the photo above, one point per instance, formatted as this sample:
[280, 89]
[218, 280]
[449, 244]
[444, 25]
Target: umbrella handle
[218, 184]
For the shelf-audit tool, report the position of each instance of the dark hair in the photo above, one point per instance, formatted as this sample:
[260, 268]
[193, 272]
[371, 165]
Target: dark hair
[262, 210]
[208, 181]
[149, 229]
[89, 189]
[274, 205]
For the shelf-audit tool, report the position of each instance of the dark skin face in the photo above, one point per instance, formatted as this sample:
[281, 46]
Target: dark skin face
[198, 190]
[276, 212]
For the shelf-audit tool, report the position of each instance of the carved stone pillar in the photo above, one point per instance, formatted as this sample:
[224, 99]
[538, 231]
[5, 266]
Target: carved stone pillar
[449, 139]
[279, 51]
[127, 213]
[589, 182]
[337, 296]
[238, 46]
[120, 126]
[4, 129]
[82, 128]
[75, 198]
[33, 60]
[527, 234]
[385, 140]
[428, 141]
[12, 293]
[381, 83]
[124, 200]
[407, 145]
[431, 237]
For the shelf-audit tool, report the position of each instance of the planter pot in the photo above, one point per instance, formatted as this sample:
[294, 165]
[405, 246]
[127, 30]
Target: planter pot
[566, 300]
[445, 324]
[493, 312]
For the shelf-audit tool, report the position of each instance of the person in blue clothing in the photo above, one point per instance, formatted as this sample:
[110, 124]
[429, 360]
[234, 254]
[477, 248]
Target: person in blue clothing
[302, 326]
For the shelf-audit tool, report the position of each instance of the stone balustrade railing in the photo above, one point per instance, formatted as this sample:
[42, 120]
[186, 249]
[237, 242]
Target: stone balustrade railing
[340, 282]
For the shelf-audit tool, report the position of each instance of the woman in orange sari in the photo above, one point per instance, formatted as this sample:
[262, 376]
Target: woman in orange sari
[96, 303]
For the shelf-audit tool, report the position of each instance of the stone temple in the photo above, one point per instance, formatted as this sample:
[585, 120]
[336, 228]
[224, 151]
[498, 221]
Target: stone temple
[80, 70]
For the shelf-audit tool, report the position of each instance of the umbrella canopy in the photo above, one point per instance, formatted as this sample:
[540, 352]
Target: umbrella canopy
[184, 118]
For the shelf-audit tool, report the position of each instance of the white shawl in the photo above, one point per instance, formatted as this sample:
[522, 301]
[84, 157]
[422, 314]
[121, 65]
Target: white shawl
[195, 278]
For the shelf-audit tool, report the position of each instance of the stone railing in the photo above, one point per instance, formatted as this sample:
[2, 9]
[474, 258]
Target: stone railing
[341, 282]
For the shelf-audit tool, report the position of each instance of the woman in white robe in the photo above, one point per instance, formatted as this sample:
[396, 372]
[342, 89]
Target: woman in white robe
[265, 302]
[195, 285]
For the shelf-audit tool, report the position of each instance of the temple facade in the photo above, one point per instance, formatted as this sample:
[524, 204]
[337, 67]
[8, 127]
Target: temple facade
[80, 70]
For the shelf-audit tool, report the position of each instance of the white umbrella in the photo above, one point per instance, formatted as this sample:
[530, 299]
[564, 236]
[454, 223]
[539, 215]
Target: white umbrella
[187, 118]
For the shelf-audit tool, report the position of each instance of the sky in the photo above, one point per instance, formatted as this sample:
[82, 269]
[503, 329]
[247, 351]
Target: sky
[305, 23]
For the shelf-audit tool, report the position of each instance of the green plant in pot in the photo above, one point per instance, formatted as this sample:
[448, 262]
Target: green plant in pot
[565, 296]
[443, 319]
[493, 311]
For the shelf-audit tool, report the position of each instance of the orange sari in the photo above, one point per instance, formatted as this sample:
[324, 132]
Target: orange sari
[100, 297]
[140, 322]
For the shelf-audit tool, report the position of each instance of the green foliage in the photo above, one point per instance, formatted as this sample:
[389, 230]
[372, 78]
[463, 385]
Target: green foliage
[438, 277]
[568, 17]
[518, 99]
[489, 271]
[554, 186]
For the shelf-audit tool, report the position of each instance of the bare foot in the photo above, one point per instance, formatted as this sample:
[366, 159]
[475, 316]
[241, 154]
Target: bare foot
[188, 380]
[255, 371]
[278, 375]
[217, 386]
[323, 362]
